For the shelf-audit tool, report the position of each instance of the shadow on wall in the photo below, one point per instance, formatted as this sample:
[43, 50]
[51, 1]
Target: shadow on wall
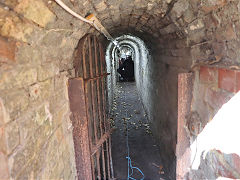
[216, 150]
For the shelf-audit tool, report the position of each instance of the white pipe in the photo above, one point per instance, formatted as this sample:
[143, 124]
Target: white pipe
[64, 6]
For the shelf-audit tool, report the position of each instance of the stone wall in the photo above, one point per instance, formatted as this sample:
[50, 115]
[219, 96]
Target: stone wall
[37, 43]
[36, 133]
[36, 52]
[211, 126]
[167, 63]
[193, 33]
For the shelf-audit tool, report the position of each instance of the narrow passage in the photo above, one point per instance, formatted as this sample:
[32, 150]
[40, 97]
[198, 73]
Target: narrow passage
[144, 152]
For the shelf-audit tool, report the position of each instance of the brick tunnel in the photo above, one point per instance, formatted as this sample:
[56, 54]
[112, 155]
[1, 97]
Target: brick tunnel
[58, 87]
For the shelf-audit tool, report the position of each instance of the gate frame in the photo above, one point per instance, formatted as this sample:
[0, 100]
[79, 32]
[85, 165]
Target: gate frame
[88, 106]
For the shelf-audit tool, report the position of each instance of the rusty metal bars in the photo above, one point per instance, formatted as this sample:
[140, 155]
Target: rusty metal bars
[98, 64]
[90, 64]
[80, 128]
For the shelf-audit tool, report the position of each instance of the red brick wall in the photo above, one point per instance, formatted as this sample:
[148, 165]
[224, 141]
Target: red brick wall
[214, 87]
[226, 79]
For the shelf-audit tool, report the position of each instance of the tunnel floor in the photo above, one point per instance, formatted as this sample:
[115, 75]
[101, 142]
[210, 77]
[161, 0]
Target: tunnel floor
[144, 152]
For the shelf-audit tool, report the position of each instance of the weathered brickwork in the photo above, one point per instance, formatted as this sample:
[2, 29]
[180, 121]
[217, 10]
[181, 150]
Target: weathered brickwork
[36, 51]
[191, 35]
[213, 87]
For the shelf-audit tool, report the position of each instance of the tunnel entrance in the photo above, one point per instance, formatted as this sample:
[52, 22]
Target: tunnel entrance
[130, 104]
[122, 103]
[138, 110]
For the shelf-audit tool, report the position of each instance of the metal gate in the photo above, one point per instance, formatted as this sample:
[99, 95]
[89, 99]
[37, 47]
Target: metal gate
[87, 95]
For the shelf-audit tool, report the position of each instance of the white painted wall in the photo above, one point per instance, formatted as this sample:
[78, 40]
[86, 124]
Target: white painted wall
[141, 64]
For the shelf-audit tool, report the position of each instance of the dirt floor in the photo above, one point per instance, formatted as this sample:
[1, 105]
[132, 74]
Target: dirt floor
[144, 152]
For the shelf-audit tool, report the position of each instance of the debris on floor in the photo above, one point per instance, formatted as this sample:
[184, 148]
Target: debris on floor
[143, 148]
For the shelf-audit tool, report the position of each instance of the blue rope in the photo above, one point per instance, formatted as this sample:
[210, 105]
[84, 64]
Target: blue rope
[129, 159]
[132, 167]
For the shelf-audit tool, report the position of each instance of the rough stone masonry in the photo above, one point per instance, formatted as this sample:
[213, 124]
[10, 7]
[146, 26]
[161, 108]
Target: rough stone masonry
[37, 44]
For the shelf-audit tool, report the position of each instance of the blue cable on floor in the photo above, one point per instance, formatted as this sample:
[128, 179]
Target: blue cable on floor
[129, 159]
[132, 167]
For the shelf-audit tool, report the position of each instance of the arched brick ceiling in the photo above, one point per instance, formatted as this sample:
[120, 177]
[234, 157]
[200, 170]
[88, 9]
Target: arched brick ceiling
[134, 15]
[157, 17]
[166, 23]
[163, 19]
